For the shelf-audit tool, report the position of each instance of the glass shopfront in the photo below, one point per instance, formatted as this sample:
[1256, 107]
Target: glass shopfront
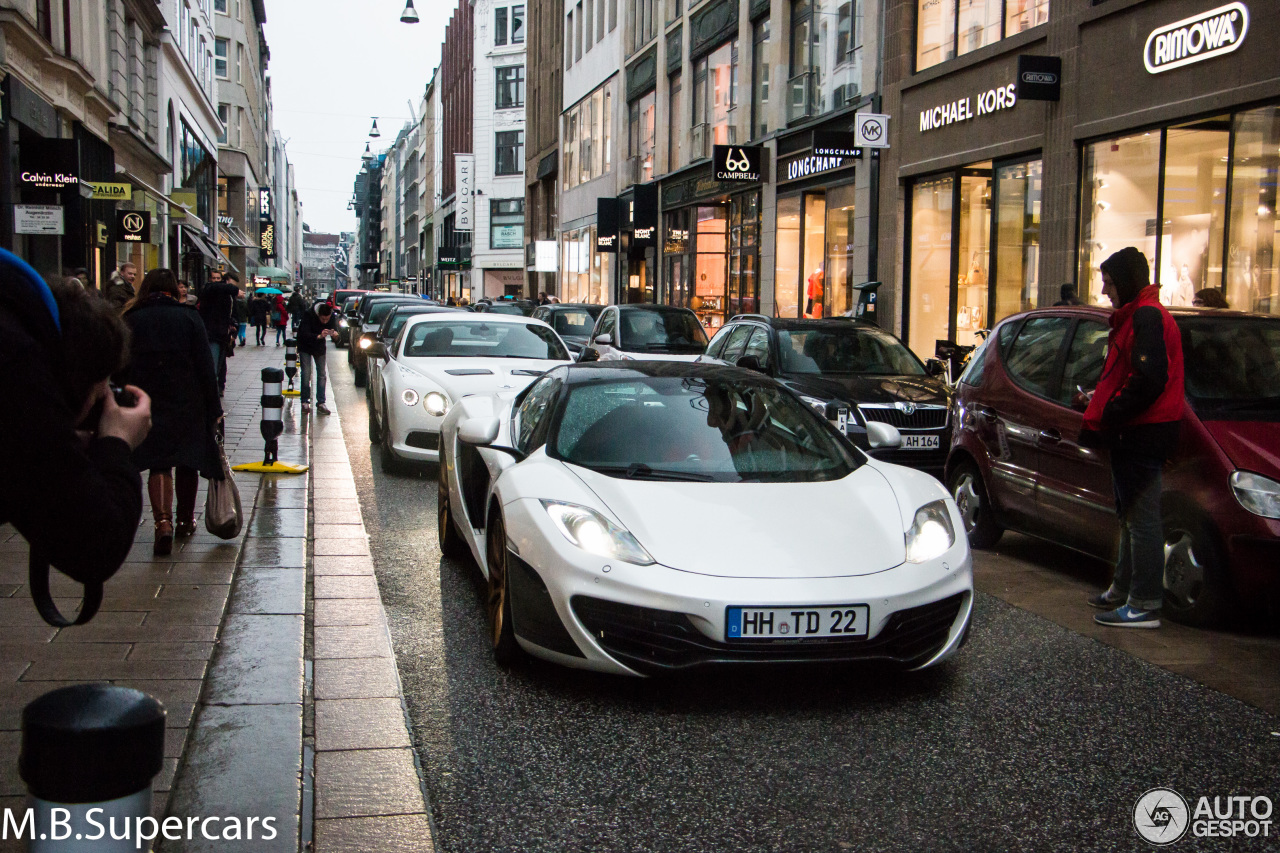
[974, 251]
[711, 256]
[1197, 198]
[814, 269]
[585, 274]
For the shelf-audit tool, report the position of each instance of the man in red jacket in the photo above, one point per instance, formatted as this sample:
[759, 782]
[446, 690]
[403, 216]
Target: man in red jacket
[1136, 411]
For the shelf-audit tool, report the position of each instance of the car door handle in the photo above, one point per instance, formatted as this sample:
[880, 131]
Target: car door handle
[987, 412]
[1050, 436]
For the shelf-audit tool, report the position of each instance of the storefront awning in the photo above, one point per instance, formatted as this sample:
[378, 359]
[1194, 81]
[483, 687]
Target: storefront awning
[194, 240]
[237, 238]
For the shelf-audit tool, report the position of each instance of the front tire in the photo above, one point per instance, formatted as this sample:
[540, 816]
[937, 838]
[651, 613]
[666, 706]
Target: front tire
[1196, 591]
[506, 651]
[970, 494]
[391, 464]
[361, 377]
[451, 544]
[375, 428]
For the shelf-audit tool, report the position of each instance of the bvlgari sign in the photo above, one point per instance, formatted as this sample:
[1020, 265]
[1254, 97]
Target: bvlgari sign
[1195, 39]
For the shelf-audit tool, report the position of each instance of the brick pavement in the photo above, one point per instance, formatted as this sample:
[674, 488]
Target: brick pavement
[270, 652]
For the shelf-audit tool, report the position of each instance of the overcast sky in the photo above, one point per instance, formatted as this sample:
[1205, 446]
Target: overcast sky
[335, 64]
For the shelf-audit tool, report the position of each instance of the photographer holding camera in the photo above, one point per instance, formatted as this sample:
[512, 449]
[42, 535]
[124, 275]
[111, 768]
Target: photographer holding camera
[67, 482]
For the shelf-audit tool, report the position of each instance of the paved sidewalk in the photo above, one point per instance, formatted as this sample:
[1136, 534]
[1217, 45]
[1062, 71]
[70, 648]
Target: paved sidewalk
[270, 652]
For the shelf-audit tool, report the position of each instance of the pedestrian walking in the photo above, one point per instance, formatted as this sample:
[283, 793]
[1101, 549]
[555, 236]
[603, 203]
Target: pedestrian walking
[67, 484]
[120, 290]
[1210, 297]
[216, 305]
[259, 311]
[317, 326]
[172, 361]
[297, 306]
[279, 318]
[1067, 296]
[240, 313]
[1136, 411]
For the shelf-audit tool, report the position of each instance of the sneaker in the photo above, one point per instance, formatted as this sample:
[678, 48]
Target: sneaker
[1108, 600]
[323, 409]
[1129, 617]
[306, 407]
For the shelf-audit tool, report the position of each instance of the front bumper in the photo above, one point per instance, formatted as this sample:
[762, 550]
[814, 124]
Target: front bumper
[415, 435]
[629, 619]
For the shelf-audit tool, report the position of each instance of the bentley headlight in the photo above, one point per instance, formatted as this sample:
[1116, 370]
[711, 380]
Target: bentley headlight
[1256, 493]
[365, 343]
[931, 534]
[595, 534]
[435, 403]
[342, 323]
[410, 397]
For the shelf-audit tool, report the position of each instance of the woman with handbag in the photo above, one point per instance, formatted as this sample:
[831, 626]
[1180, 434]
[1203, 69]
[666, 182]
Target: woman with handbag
[280, 318]
[171, 361]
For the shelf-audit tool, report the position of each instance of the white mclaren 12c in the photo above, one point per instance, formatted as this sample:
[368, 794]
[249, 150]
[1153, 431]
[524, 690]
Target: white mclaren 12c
[439, 359]
[648, 517]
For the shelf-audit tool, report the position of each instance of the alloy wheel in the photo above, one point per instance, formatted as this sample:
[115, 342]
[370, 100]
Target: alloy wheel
[1184, 574]
[496, 598]
[967, 500]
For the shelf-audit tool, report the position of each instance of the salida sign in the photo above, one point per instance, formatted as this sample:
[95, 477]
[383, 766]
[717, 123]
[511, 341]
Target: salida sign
[1195, 39]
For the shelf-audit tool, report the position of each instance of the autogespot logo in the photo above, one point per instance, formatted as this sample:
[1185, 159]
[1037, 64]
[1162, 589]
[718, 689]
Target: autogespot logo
[1161, 816]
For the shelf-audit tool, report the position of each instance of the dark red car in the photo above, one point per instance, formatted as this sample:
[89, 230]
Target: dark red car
[1016, 462]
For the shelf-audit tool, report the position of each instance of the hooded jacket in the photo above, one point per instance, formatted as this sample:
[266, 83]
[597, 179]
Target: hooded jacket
[1139, 400]
[79, 504]
[310, 339]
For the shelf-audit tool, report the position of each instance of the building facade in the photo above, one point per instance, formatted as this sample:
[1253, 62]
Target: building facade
[321, 255]
[1161, 132]
[453, 245]
[544, 99]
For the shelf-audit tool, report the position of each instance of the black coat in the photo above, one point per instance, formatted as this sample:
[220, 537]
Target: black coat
[259, 309]
[80, 504]
[217, 302]
[170, 360]
[310, 339]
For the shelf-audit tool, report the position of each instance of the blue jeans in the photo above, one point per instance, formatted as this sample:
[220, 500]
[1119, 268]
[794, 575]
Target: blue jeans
[310, 363]
[1140, 565]
[219, 363]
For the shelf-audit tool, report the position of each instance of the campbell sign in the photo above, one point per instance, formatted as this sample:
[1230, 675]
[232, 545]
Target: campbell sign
[1214, 33]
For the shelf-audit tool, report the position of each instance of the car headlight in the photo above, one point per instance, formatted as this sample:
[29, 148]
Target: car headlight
[365, 343]
[342, 323]
[410, 397]
[1256, 493]
[819, 405]
[931, 533]
[595, 534]
[435, 403]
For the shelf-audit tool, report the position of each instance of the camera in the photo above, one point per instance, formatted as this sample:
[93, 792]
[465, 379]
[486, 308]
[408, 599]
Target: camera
[124, 399]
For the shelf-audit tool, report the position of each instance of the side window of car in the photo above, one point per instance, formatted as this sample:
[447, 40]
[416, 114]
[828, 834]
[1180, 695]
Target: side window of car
[717, 343]
[533, 414]
[758, 346]
[972, 373]
[607, 325]
[1034, 356]
[736, 344]
[1085, 358]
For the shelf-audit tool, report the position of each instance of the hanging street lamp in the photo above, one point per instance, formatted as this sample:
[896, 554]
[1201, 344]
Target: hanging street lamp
[409, 15]
[373, 132]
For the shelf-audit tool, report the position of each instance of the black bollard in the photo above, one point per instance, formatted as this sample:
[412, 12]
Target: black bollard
[291, 365]
[272, 425]
[89, 755]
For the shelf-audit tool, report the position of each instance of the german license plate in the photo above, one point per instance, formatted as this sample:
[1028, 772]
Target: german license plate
[792, 623]
[921, 442]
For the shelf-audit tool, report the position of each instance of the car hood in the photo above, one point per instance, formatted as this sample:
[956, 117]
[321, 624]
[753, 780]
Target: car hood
[1250, 445]
[463, 377]
[761, 530]
[863, 388]
[661, 356]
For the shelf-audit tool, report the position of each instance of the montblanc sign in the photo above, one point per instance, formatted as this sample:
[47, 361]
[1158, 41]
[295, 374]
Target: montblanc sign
[990, 101]
[1213, 33]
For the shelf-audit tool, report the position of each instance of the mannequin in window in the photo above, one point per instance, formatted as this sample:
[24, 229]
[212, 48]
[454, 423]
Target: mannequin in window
[813, 296]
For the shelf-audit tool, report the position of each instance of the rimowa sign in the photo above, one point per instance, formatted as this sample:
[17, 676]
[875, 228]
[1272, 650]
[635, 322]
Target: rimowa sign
[1214, 33]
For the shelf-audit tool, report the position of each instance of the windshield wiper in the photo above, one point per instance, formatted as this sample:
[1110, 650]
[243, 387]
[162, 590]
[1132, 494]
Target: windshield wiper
[641, 471]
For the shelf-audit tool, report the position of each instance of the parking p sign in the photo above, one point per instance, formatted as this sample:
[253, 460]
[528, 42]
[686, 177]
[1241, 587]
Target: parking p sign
[872, 130]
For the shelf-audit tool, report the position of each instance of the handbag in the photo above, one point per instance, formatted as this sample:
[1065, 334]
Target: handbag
[223, 516]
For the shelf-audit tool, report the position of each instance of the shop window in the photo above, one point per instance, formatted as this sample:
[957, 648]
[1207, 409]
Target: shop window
[974, 241]
[1253, 274]
[744, 254]
[930, 251]
[500, 25]
[947, 28]
[676, 132]
[509, 155]
[840, 255]
[510, 87]
[1018, 191]
[677, 257]
[715, 98]
[787, 261]
[1195, 184]
[711, 244]
[506, 223]
[815, 247]
[643, 137]
[585, 274]
[1119, 204]
[760, 79]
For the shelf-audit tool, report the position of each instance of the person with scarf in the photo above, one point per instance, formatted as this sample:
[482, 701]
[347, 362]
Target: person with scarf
[1136, 411]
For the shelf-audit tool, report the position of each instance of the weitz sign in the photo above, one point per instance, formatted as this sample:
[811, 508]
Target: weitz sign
[1197, 38]
[736, 162]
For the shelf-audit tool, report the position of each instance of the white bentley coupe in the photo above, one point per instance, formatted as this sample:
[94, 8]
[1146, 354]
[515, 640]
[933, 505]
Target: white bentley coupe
[648, 516]
[439, 359]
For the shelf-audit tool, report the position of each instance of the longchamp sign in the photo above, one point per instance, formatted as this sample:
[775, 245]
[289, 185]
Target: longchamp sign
[1205, 36]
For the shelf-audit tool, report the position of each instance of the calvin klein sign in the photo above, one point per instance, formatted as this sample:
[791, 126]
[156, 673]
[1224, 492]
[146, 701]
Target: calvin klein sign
[737, 162]
[1213, 33]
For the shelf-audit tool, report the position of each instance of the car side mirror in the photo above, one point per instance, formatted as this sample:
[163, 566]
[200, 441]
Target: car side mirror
[479, 431]
[936, 367]
[606, 339]
[751, 362]
[883, 436]
[377, 349]
[588, 354]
